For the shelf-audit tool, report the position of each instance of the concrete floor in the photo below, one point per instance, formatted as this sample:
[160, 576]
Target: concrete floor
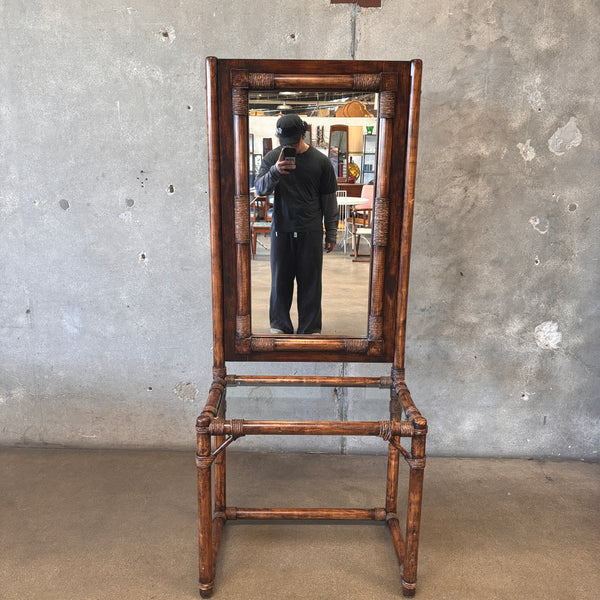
[122, 525]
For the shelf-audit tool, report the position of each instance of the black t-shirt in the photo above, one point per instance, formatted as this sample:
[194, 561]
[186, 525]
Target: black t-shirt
[298, 195]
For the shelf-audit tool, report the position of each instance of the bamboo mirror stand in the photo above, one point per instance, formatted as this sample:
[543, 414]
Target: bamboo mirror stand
[397, 84]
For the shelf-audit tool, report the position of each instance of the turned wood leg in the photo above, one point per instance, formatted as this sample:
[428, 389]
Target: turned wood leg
[206, 563]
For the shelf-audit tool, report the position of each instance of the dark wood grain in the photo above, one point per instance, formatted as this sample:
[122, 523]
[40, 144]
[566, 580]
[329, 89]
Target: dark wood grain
[234, 78]
[319, 514]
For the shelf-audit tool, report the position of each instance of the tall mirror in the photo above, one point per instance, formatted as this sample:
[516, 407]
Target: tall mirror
[244, 99]
[342, 125]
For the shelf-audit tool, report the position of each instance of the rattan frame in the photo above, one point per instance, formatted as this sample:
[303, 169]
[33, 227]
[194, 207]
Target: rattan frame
[228, 82]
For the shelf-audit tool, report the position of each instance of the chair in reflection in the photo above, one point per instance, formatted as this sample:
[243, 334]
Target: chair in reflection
[389, 219]
[342, 201]
[361, 219]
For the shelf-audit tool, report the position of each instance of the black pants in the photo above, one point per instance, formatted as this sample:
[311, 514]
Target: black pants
[296, 256]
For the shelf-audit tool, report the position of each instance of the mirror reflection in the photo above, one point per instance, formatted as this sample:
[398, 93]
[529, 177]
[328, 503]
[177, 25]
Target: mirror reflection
[339, 129]
[338, 149]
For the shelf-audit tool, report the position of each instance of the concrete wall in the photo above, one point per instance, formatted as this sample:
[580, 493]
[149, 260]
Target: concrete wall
[105, 325]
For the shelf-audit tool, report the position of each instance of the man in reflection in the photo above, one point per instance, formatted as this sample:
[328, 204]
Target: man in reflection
[305, 199]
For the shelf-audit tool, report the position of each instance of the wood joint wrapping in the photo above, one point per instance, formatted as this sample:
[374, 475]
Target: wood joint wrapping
[357, 345]
[239, 102]
[201, 426]
[236, 427]
[367, 82]
[217, 384]
[375, 327]
[263, 344]
[242, 219]
[385, 430]
[262, 81]
[382, 222]
[387, 105]
[242, 326]
[204, 462]
[416, 463]
[390, 429]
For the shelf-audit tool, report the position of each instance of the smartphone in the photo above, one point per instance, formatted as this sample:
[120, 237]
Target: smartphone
[289, 154]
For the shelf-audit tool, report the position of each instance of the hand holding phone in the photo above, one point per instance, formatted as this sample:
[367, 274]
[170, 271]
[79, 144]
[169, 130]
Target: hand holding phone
[287, 160]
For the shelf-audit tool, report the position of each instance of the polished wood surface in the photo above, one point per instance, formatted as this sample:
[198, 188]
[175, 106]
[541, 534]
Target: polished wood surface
[398, 84]
[374, 428]
[382, 382]
[228, 116]
[336, 514]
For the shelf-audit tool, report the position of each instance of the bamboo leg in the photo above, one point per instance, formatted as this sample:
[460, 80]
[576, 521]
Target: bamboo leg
[391, 495]
[413, 514]
[206, 563]
[220, 467]
[218, 525]
[391, 503]
[219, 519]
[220, 481]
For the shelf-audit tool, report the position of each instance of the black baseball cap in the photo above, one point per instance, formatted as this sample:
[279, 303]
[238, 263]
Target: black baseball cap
[290, 129]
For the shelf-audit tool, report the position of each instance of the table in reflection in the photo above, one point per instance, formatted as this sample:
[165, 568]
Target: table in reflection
[347, 202]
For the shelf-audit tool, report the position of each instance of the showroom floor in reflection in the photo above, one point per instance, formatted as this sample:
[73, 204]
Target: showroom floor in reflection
[345, 291]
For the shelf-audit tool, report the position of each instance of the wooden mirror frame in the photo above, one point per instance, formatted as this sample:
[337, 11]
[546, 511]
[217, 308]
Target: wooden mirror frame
[228, 84]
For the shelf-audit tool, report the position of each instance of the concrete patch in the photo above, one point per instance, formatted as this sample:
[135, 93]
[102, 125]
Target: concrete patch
[547, 335]
[565, 138]
[527, 151]
[535, 221]
[186, 391]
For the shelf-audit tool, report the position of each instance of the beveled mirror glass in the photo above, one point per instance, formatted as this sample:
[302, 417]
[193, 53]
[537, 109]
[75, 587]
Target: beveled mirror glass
[231, 85]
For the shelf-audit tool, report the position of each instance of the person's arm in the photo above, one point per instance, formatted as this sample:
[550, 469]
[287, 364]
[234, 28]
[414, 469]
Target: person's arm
[270, 172]
[267, 178]
[330, 217]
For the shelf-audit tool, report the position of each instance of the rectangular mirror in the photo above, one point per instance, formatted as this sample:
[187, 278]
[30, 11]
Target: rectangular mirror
[363, 116]
[341, 125]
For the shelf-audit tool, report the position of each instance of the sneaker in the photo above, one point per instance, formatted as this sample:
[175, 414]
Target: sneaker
[276, 331]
